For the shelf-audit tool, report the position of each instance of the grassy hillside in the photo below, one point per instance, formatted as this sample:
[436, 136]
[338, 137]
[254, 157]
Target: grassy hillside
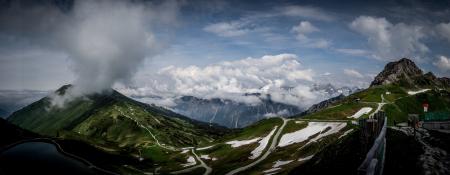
[113, 119]
[398, 103]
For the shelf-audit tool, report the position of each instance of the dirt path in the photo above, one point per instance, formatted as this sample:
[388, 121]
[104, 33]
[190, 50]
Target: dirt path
[380, 105]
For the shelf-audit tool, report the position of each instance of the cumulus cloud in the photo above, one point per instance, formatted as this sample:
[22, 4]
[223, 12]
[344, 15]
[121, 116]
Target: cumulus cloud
[303, 29]
[227, 29]
[389, 41]
[353, 73]
[282, 76]
[443, 29]
[443, 63]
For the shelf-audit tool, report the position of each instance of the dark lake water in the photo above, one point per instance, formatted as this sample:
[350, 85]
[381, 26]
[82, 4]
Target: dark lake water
[39, 158]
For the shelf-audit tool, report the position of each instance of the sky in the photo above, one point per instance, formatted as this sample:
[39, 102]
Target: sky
[216, 48]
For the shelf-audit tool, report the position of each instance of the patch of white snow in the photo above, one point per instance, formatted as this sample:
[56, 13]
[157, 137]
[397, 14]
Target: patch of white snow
[262, 144]
[312, 129]
[345, 133]
[205, 157]
[279, 163]
[417, 92]
[238, 143]
[305, 158]
[190, 161]
[271, 170]
[362, 111]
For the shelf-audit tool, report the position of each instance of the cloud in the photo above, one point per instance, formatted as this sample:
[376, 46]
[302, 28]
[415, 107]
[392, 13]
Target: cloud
[306, 12]
[326, 74]
[105, 41]
[353, 73]
[443, 63]
[227, 29]
[389, 41]
[303, 29]
[354, 52]
[443, 29]
[282, 76]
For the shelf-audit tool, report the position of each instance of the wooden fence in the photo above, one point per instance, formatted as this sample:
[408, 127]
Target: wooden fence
[373, 136]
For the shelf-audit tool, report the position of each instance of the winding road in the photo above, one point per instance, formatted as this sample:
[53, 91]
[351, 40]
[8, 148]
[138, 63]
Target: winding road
[271, 148]
[202, 164]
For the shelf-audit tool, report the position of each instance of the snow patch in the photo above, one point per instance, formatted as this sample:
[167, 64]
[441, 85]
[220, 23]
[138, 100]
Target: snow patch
[271, 170]
[417, 92]
[334, 129]
[205, 157]
[262, 144]
[279, 163]
[345, 133]
[190, 161]
[312, 129]
[305, 158]
[362, 111]
[238, 143]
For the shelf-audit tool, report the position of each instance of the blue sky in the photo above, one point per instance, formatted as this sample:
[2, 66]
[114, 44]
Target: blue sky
[345, 43]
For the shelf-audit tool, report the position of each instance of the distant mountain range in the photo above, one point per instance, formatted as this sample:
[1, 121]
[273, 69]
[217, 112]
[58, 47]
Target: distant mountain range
[234, 114]
[231, 113]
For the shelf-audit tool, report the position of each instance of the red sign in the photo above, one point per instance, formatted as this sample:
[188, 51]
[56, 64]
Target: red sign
[425, 107]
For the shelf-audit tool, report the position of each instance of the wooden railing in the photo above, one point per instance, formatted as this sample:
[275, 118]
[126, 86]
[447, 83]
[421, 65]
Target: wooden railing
[373, 164]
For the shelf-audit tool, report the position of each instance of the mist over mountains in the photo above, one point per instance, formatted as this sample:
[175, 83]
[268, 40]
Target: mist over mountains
[235, 113]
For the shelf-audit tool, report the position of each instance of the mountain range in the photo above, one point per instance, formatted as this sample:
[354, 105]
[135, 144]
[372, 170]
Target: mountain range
[235, 114]
[167, 142]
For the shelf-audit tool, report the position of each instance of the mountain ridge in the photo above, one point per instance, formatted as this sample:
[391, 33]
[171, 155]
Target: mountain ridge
[406, 73]
[113, 117]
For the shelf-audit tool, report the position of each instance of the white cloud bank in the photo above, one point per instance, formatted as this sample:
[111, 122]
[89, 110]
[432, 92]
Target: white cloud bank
[443, 63]
[282, 76]
[389, 41]
[303, 29]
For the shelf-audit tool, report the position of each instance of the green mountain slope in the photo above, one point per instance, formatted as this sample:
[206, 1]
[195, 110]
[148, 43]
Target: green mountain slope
[112, 118]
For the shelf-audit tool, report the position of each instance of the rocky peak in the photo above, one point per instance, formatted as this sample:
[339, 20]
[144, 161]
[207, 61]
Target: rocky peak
[404, 69]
